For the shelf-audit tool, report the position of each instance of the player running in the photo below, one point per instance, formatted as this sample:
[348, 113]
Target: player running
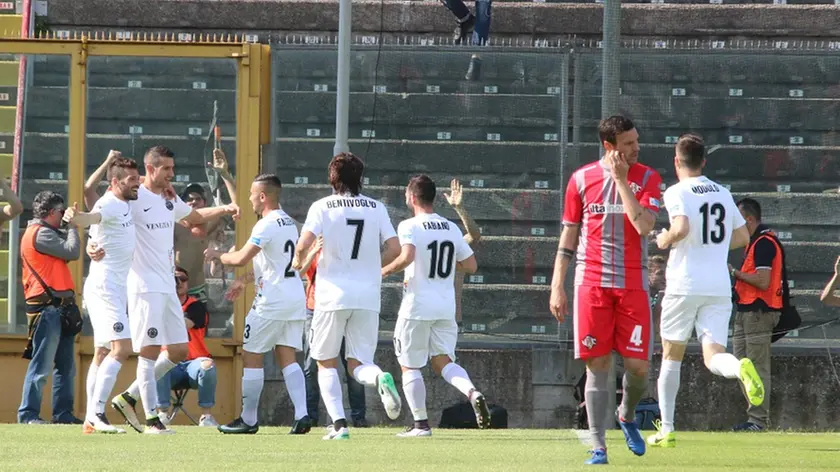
[348, 292]
[705, 226]
[105, 293]
[610, 207]
[432, 249]
[278, 314]
[153, 305]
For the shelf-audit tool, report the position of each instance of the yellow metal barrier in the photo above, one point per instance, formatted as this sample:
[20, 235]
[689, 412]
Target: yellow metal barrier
[252, 115]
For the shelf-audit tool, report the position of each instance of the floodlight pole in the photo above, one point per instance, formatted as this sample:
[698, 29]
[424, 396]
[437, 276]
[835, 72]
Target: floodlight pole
[342, 106]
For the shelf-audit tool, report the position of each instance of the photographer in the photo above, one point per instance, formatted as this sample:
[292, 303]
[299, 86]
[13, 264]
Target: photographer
[52, 314]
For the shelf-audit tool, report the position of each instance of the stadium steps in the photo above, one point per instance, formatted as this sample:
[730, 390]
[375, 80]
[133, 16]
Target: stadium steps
[10, 24]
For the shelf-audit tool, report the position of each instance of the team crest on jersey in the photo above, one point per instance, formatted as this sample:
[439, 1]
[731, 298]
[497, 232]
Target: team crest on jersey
[589, 341]
[152, 332]
[169, 205]
[635, 188]
[118, 327]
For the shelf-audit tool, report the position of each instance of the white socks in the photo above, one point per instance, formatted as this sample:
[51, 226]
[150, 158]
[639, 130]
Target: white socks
[162, 366]
[725, 365]
[366, 374]
[668, 384]
[296, 386]
[105, 380]
[415, 393]
[330, 386]
[456, 376]
[90, 381]
[147, 386]
[252, 385]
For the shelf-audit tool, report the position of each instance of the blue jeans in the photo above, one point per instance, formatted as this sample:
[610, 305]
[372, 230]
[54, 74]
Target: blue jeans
[355, 390]
[50, 352]
[189, 374]
[481, 32]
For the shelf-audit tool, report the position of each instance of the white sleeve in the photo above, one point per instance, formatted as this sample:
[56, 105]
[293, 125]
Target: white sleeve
[260, 235]
[181, 209]
[314, 220]
[405, 230]
[108, 210]
[463, 251]
[386, 228]
[674, 203]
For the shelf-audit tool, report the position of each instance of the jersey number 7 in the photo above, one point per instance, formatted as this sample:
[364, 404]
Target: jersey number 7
[357, 240]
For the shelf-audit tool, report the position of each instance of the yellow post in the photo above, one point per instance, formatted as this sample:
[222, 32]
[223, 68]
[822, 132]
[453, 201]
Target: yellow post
[76, 177]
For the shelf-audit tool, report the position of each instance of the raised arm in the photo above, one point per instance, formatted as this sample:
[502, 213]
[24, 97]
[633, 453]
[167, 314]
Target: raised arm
[14, 207]
[220, 165]
[827, 296]
[456, 199]
[91, 194]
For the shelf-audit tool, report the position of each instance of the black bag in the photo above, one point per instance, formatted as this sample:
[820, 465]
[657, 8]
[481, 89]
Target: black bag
[462, 416]
[71, 317]
[789, 319]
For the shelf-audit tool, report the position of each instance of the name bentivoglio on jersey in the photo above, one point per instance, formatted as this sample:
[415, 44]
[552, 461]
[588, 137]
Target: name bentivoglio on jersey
[429, 287]
[349, 270]
[115, 234]
[155, 216]
[280, 293]
[697, 265]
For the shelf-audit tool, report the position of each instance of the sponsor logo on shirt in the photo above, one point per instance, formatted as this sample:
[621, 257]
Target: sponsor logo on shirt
[254, 241]
[589, 341]
[635, 188]
[169, 205]
[655, 202]
[601, 209]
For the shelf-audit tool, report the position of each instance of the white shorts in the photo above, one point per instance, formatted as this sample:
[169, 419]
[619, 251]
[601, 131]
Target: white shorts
[107, 307]
[262, 334]
[156, 320]
[709, 316]
[359, 328]
[417, 341]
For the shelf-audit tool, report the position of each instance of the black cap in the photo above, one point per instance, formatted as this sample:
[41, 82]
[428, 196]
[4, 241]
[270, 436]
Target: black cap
[193, 188]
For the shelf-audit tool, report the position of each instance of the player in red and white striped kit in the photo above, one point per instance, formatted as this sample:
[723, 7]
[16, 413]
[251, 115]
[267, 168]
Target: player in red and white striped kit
[610, 208]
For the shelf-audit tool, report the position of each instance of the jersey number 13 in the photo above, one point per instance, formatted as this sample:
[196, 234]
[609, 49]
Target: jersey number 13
[713, 229]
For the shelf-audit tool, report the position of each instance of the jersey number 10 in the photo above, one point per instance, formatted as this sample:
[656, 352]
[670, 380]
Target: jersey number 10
[717, 233]
[441, 264]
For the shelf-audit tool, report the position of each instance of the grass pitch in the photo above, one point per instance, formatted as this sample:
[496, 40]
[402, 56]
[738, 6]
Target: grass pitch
[65, 448]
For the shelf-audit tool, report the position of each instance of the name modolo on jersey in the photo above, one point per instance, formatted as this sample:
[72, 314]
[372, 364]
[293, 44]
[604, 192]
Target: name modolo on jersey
[705, 188]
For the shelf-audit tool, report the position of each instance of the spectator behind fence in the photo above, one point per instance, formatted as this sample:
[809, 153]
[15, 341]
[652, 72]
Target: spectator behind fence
[197, 372]
[50, 296]
[476, 27]
[191, 241]
[758, 291]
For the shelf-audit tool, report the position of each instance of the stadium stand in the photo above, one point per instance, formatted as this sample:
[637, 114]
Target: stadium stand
[769, 116]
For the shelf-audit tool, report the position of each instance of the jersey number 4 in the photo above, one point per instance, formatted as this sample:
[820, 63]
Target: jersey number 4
[716, 232]
[442, 254]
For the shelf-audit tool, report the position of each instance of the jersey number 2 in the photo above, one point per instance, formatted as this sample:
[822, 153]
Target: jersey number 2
[716, 234]
[441, 264]
[290, 249]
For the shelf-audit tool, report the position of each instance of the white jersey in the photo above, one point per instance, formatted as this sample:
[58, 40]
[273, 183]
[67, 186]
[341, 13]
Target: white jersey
[429, 288]
[280, 294]
[115, 234]
[153, 268]
[350, 268]
[697, 265]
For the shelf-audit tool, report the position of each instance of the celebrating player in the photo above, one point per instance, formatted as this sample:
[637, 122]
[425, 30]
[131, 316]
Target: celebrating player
[153, 306]
[105, 292]
[277, 317]
[611, 206]
[705, 226]
[348, 292]
[426, 327]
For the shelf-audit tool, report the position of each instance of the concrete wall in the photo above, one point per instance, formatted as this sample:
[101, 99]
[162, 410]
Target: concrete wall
[537, 19]
[535, 384]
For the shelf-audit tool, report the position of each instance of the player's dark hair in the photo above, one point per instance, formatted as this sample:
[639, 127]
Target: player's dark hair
[270, 182]
[181, 269]
[345, 173]
[155, 154]
[611, 127]
[751, 208]
[120, 167]
[423, 188]
[45, 202]
[657, 259]
[691, 151]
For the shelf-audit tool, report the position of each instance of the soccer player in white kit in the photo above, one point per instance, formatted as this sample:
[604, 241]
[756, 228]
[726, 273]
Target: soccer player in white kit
[154, 310]
[105, 293]
[277, 316]
[705, 225]
[348, 292]
[432, 249]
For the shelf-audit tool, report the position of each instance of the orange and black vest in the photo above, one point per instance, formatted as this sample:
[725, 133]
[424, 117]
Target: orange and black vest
[52, 270]
[196, 347]
[772, 296]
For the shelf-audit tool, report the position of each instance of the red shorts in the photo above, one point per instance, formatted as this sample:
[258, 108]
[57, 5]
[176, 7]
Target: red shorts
[608, 319]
